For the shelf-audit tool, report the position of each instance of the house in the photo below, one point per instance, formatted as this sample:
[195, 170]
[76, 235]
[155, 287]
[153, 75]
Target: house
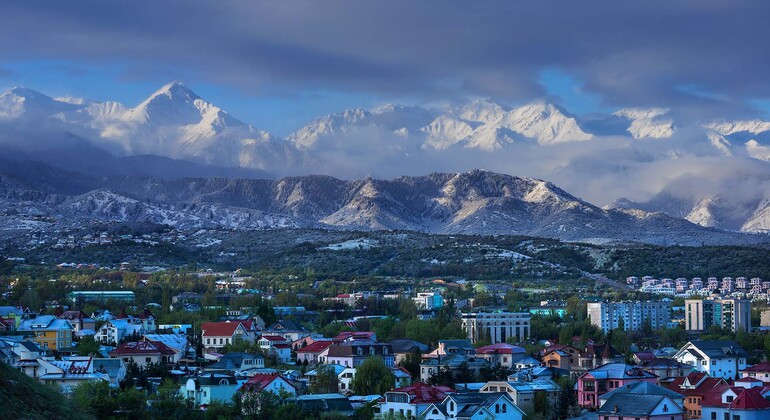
[666, 369]
[115, 331]
[642, 356]
[526, 363]
[177, 342]
[48, 331]
[312, 375]
[66, 373]
[79, 321]
[642, 407]
[352, 354]
[495, 405]
[239, 364]
[14, 349]
[144, 353]
[269, 382]
[537, 372]
[311, 353]
[325, 403]
[737, 403]
[115, 369]
[501, 354]
[411, 401]
[404, 348]
[597, 382]
[307, 340]
[694, 387]
[643, 388]
[216, 335]
[204, 389]
[452, 363]
[12, 315]
[446, 347]
[717, 358]
[759, 371]
[523, 393]
[561, 356]
[288, 329]
[596, 355]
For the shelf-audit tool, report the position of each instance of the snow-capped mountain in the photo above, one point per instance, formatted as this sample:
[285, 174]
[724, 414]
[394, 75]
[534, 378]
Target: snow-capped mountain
[648, 123]
[172, 122]
[476, 202]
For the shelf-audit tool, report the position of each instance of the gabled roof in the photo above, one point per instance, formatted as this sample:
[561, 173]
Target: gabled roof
[698, 383]
[260, 381]
[232, 361]
[619, 371]
[407, 346]
[643, 388]
[637, 405]
[751, 399]
[715, 349]
[272, 338]
[219, 329]
[142, 347]
[315, 347]
[423, 393]
[761, 367]
[501, 348]
[664, 363]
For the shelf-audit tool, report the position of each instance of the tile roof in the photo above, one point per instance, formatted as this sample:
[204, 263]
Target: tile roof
[751, 399]
[720, 348]
[423, 393]
[700, 384]
[407, 346]
[219, 329]
[643, 388]
[761, 367]
[315, 347]
[260, 381]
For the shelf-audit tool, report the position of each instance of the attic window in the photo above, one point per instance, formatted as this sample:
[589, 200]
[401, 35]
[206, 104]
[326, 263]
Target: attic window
[223, 382]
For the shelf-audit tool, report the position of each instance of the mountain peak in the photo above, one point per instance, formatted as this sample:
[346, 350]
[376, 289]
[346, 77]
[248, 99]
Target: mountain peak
[175, 90]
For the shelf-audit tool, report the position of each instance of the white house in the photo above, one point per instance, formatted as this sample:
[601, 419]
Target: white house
[717, 358]
[412, 400]
[114, 331]
[476, 406]
[204, 389]
[269, 382]
[216, 335]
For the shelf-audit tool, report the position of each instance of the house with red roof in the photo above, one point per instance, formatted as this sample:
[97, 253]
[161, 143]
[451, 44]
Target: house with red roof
[760, 371]
[501, 354]
[312, 352]
[216, 335]
[413, 400]
[738, 402]
[694, 387]
[144, 352]
[348, 336]
[269, 382]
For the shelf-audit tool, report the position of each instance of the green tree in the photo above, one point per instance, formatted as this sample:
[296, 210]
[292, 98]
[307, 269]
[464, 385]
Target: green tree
[326, 380]
[372, 377]
[87, 346]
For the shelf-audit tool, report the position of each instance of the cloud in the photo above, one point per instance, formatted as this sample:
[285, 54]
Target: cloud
[628, 53]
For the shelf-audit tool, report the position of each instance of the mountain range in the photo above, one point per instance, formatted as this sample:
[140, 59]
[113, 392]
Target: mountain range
[634, 161]
[38, 197]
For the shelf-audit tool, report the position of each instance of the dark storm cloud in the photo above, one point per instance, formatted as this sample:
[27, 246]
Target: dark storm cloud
[706, 55]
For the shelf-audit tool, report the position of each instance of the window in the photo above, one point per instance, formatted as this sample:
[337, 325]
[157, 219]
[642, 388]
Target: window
[147, 360]
[665, 408]
[497, 408]
[505, 408]
[713, 415]
[729, 398]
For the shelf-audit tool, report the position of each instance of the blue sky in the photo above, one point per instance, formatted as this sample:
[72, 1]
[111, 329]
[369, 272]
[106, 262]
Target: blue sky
[279, 64]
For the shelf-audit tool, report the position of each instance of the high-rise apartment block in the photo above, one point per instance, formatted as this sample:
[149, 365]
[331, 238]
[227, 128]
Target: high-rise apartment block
[731, 314]
[608, 315]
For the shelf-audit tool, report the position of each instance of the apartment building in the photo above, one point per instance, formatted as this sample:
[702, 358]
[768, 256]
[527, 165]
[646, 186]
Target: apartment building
[608, 315]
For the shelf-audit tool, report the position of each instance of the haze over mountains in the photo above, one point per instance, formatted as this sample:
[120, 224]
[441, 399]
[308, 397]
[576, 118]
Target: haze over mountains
[712, 173]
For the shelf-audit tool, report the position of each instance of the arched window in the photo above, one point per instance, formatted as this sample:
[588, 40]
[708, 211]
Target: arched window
[223, 382]
[505, 408]
[497, 408]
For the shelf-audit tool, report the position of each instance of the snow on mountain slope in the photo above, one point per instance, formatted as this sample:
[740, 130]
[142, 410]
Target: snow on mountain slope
[648, 122]
[727, 128]
[758, 151]
[759, 220]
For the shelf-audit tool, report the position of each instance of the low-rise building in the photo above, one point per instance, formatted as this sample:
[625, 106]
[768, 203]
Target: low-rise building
[411, 401]
[269, 382]
[501, 354]
[312, 352]
[79, 321]
[497, 327]
[737, 403]
[216, 335]
[496, 405]
[596, 382]
[759, 371]
[204, 389]
[144, 353]
[452, 363]
[642, 407]
[352, 354]
[523, 393]
[48, 331]
[404, 348]
[67, 373]
[694, 387]
[115, 331]
[237, 363]
[717, 358]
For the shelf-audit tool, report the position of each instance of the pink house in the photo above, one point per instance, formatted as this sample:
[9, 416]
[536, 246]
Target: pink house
[597, 382]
